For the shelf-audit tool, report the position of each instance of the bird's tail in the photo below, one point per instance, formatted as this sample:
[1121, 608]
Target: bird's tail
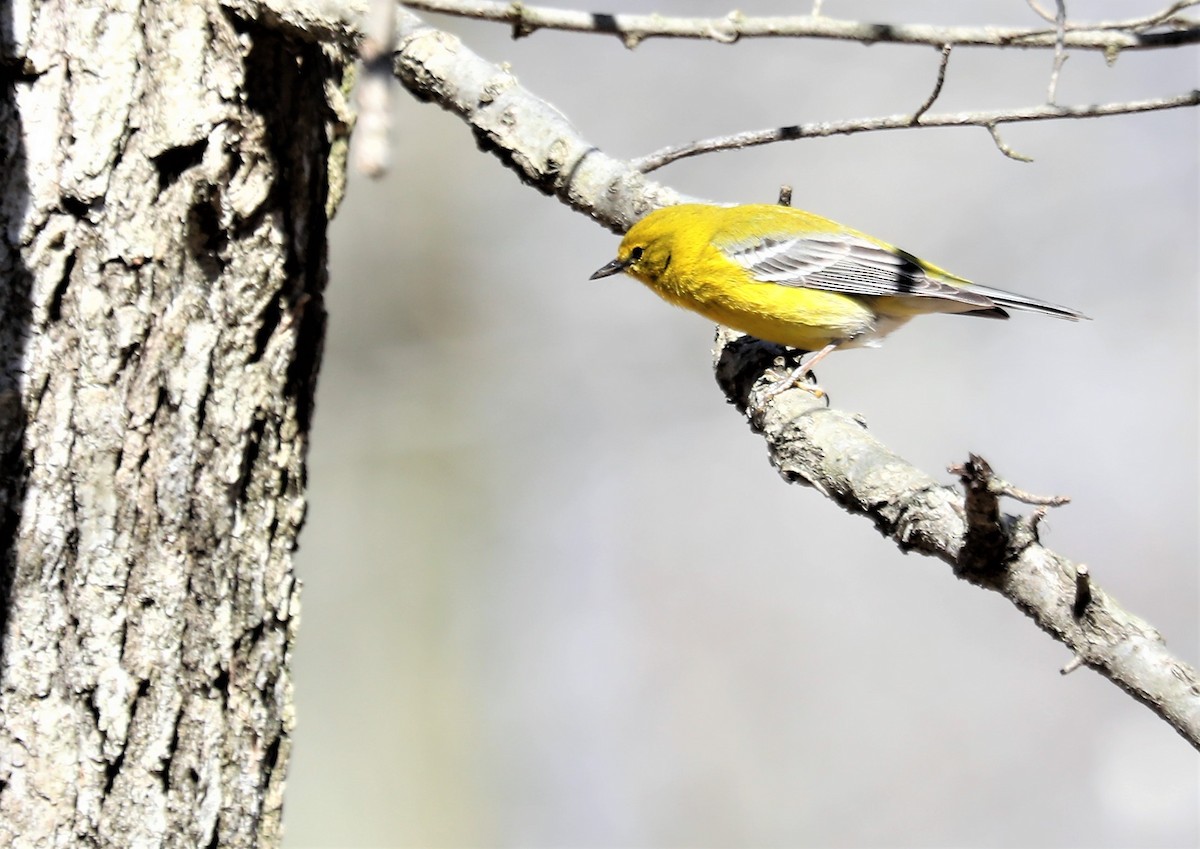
[1012, 301]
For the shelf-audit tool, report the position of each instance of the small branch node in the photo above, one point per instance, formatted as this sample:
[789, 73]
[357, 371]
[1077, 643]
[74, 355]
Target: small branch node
[1026, 530]
[1072, 664]
[729, 31]
[1083, 591]
[985, 541]
[785, 195]
[1004, 148]
[521, 27]
[975, 469]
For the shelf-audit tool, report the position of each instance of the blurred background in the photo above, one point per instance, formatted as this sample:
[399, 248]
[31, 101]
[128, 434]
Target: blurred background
[555, 596]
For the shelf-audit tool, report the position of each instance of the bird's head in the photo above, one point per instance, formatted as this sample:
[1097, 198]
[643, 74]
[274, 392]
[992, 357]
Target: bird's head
[645, 252]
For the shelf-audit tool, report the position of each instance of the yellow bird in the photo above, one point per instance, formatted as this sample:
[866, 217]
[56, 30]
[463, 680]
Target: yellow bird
[797, 279]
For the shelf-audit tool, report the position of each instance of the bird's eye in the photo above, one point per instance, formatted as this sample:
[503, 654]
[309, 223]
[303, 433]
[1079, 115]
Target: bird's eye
[635, 254]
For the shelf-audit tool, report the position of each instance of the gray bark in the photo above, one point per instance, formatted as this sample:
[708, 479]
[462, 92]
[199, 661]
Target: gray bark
[168, 172]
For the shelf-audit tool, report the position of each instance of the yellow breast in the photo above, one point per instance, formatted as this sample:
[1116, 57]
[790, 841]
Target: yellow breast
[788, 315]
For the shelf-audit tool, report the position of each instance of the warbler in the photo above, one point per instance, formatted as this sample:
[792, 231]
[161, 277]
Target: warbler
[794, 278]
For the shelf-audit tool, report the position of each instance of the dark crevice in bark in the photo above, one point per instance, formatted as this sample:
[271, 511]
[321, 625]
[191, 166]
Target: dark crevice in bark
[283, 71]
[54, 311]
[250, 457]
[15, 330]
[172, 164]
[207, 239]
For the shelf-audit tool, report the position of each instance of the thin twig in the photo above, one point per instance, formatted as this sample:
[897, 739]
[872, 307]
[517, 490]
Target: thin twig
[990, 120]
[371, 149]
[1060, 50]
[937, 86]
[1003, 146]
[999, 486]
[1162, 18]
[634, 29]
[1042, 13]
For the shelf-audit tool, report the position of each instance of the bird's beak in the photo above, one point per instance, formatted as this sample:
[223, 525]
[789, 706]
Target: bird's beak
[614, 267]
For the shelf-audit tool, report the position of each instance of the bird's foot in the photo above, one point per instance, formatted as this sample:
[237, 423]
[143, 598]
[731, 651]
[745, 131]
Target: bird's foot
[799, 375]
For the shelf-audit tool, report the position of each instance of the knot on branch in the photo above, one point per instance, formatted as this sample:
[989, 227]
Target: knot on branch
[992, 538]
[741, 361]
[520, 26]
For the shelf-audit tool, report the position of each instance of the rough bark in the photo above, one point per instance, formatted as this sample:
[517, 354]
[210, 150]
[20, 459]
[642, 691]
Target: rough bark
[168, 172]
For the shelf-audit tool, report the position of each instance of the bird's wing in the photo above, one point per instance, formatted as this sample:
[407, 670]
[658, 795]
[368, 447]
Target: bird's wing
[845, 263]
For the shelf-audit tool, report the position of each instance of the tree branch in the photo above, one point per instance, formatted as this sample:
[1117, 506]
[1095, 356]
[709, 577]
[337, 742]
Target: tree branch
[990, 120]
[1163, 29]
[525, 133]
[826, 449]
[832, 451]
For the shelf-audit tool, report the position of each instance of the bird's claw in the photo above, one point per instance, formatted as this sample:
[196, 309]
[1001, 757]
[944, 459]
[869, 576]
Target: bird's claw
[796, 379]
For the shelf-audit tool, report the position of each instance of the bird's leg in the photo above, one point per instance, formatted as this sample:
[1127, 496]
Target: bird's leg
[796, 377]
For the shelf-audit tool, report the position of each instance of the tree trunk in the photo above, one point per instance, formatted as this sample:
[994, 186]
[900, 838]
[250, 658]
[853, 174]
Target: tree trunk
[168, 173]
